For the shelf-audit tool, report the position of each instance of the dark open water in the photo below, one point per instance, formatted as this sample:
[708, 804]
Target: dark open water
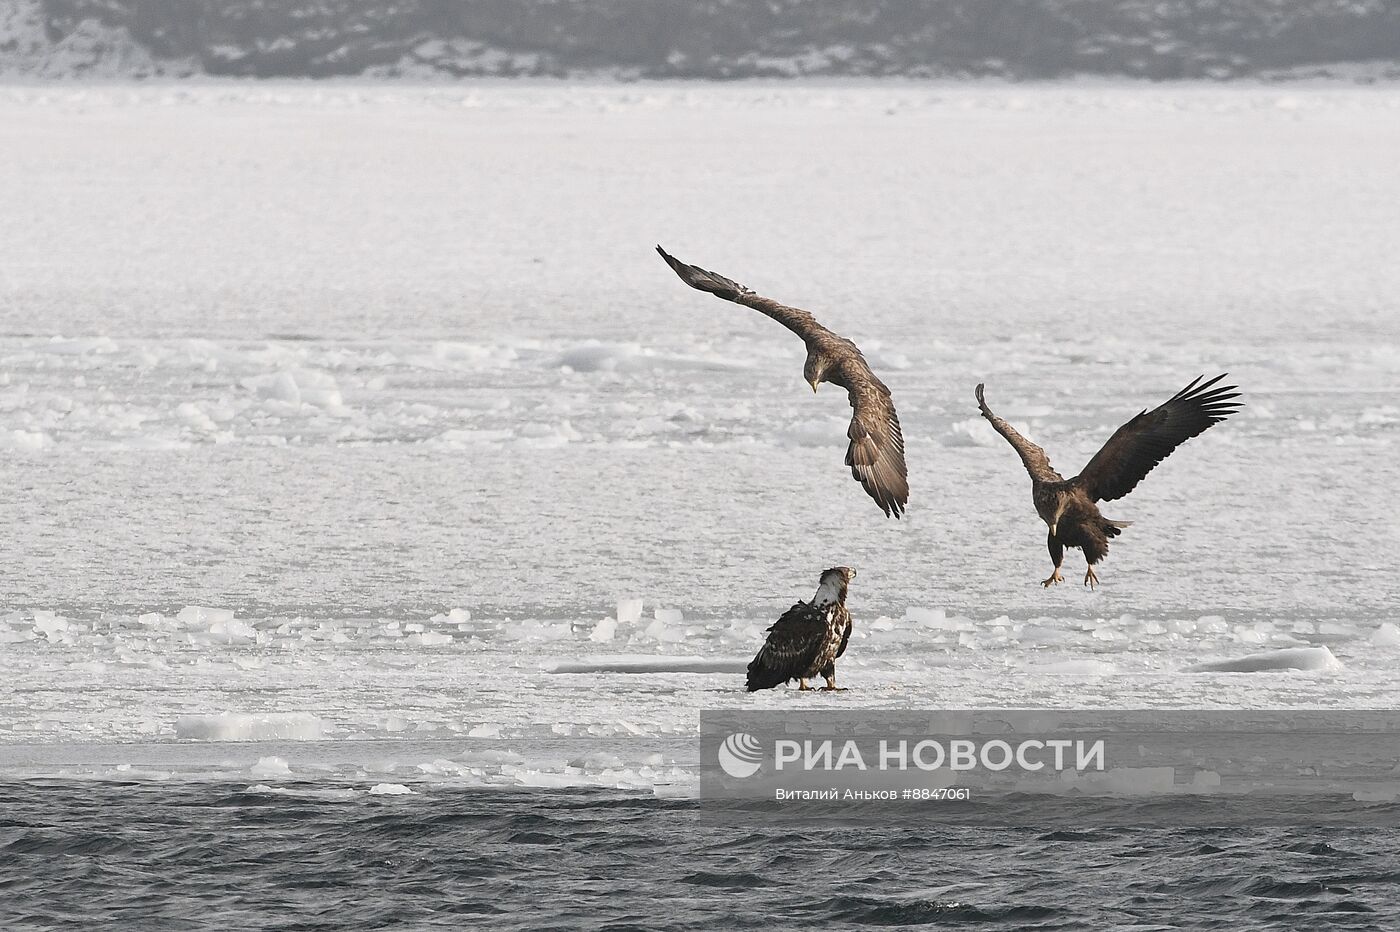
[145, 856]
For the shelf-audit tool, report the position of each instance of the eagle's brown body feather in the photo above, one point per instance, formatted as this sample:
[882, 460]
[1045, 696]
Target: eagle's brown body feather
[809, 637]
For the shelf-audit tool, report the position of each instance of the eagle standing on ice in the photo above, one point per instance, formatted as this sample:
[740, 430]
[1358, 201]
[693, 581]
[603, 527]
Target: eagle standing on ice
[1068, 506]
[876, 451]
[808, 638]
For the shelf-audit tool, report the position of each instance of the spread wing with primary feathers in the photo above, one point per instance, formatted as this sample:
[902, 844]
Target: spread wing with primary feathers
[1146, 440]
[876, 451]
[795, 319]
[1034, 458]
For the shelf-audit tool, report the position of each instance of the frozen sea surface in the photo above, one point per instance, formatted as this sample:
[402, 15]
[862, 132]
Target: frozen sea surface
[341, 414]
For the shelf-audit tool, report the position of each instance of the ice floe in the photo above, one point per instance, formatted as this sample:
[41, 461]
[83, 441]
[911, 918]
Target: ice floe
[268, 726]
[390, 789]
[1297, 658]
[270, 767]
[1387, 635]
[648, 664]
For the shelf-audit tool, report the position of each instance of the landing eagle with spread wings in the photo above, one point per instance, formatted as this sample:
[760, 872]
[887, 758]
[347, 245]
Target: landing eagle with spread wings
[876, 451]
[806, 641]
[1068, 506]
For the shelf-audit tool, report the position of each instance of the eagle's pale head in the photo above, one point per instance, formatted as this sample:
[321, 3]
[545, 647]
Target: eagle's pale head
[833, 585]
[814, 370]
[1061, 505]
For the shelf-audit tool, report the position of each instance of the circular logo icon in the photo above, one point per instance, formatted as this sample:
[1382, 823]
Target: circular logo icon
[740, 755]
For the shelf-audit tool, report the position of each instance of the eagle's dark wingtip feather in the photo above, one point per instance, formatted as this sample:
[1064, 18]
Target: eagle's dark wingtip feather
[675, 264]
[1189, 388]
[1137, 447]
[1211, 382]
[703, 279]
[1215, 402]
[888, 490]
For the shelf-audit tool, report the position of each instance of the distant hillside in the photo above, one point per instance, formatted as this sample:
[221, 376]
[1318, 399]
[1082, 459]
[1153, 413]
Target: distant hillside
[1017, 39]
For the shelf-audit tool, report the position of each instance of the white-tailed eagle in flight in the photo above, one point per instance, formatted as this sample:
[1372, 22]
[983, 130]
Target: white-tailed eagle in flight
[1068, 506]
[876, 451]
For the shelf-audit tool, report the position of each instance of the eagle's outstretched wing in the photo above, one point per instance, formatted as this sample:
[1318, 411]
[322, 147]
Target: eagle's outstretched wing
[793, 643]
[1146, 440]
[795, 319]
[1037, 463]
[876, 452]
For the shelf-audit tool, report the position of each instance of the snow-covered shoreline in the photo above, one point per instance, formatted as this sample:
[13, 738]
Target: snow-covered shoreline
[630, 39]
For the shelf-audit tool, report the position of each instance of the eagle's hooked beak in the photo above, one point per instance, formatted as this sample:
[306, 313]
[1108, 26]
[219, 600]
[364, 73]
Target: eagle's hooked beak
[813, 383]
[1053, 526]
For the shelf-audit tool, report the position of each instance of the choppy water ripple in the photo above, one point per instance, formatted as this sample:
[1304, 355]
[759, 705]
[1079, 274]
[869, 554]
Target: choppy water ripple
[308, 857]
